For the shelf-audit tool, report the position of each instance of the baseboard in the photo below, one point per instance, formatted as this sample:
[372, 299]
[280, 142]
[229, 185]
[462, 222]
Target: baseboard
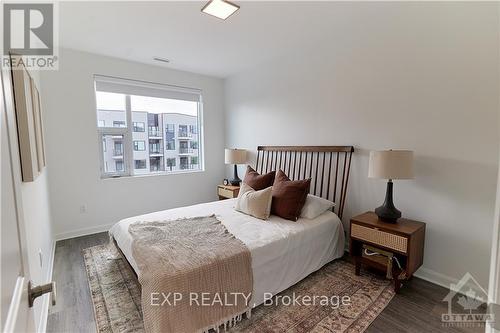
[446, 281]
[82, 232]
[44, 313]
[432, 276]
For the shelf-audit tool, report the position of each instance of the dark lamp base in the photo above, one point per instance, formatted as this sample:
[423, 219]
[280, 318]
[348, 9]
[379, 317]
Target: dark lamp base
[236, 180]
[387, 212]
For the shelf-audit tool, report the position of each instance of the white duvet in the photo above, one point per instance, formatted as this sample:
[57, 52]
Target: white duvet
[283, 252]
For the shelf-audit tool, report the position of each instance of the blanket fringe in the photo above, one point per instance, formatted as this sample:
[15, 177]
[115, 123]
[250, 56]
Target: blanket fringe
[228, 322]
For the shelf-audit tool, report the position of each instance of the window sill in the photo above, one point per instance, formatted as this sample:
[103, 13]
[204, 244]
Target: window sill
[159, 174]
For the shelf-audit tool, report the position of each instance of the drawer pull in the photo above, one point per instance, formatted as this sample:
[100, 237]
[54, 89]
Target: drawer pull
[388, 240]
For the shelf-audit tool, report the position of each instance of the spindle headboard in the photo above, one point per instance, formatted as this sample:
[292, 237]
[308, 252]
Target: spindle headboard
[327, 166]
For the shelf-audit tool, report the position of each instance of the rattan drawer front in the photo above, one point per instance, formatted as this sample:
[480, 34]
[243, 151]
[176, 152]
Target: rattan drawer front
[391, 241]
[223, 192]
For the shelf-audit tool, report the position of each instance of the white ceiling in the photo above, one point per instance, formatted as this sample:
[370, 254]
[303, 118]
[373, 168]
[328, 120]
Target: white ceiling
[196, 42]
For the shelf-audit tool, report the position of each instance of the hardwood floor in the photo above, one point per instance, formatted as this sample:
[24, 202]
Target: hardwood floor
[417, 308]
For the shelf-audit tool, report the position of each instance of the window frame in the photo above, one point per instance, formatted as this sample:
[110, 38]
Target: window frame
[127, 133]
[138, 122]
[144, 145]
[145, 164]
[119, 121]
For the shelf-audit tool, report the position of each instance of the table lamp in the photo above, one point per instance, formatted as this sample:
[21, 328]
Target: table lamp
[235, 156]
[390, 164]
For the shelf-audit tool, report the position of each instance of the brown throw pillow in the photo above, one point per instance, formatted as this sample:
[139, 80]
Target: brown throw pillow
[257, 181]
[289, 196]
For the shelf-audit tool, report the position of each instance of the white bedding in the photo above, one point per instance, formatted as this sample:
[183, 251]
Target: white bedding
[283, 252]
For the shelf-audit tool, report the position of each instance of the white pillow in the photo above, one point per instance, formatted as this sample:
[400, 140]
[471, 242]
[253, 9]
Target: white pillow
[255, 203]
[315, 206]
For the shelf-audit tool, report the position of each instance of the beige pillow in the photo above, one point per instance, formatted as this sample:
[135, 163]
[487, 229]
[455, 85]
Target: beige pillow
[255, 203]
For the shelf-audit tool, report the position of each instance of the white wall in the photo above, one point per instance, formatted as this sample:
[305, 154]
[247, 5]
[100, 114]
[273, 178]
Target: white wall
[72, 147]
[416, 76]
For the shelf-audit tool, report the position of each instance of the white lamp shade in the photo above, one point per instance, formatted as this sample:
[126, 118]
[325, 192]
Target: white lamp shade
[235, 156]
[391, 164]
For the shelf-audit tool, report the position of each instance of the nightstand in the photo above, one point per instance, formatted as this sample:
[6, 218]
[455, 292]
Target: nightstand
[227, 191]
[404, 241]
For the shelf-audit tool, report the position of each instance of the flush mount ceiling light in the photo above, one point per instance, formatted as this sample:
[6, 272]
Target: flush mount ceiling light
[220, 8]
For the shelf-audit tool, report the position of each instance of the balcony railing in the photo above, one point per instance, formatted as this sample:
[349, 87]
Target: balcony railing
[154, 131]
[185, 151]
[187, 166]
[117, 152]
[184, 134]
[154, 168]
[155, 150]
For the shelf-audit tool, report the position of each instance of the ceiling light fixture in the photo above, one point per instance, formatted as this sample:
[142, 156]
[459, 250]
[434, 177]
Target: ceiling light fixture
[161, 59]
[220, 8]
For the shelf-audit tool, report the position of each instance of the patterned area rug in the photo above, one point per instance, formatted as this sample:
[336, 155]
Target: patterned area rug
[116, 297]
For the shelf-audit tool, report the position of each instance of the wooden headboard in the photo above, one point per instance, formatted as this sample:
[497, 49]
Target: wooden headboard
[327, 166]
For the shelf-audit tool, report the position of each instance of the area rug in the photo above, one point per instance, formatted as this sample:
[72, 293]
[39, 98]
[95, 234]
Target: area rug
[116, 297]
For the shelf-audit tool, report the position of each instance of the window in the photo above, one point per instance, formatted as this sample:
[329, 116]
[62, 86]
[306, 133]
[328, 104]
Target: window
[118, 123]
[171, 163]
[118, 151]
[170, 144]
[140, 164]
[183, 131]
[138, 126]
[155, 147]
[194, 159]
[139, 145]
[135, 115]
[119, 165]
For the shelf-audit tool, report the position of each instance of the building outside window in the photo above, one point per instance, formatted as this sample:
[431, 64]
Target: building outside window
[138, 126]
[140, 164]
[171, 145]
[155, 147]
[118, 151]
[171, 163]
[139, 145]
[156, 164]
[184, 164]
[164, 130]
[183, 131]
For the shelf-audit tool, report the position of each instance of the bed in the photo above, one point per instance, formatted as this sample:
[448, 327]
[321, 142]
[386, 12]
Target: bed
[283, 252]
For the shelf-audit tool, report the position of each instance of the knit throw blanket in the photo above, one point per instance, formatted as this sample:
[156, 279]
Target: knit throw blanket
[194, 274]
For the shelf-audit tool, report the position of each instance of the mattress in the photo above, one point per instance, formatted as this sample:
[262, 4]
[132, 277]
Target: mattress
[283, 252]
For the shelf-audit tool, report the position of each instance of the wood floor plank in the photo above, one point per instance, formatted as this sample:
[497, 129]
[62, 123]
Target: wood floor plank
[417, 308]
